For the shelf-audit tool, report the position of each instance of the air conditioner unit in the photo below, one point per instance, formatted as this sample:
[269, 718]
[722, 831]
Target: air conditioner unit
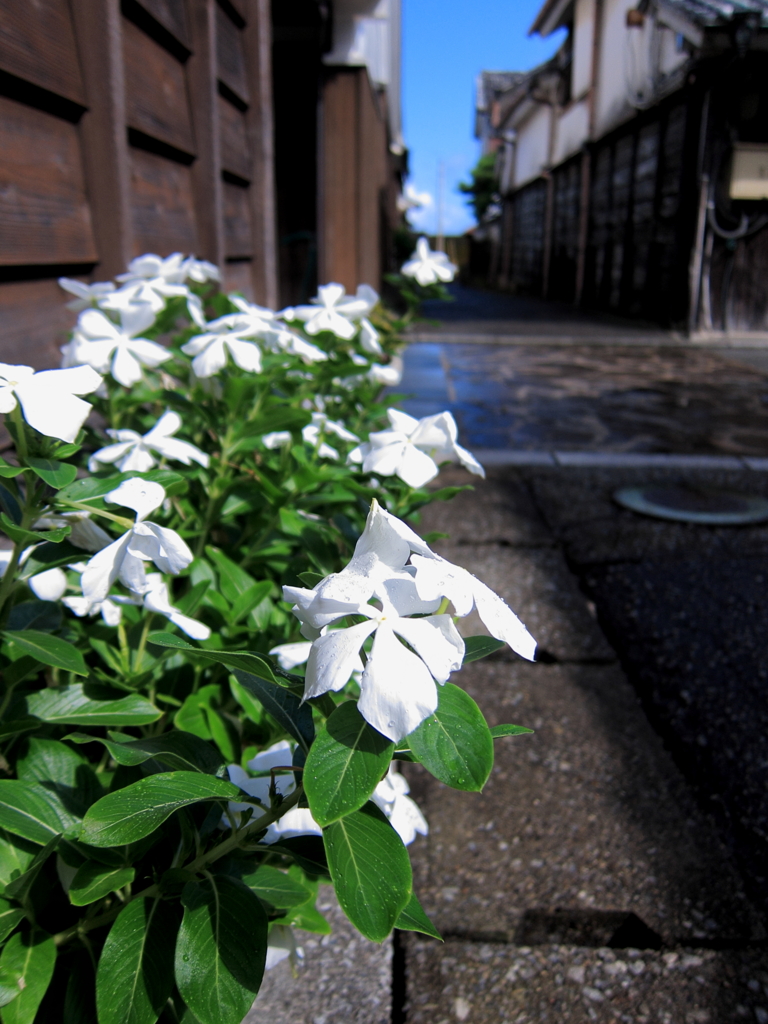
[749, 171]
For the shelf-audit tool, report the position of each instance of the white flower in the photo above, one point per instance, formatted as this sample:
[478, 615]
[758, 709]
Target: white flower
[297, 821]
[99, 343]
[110, 608]
[391, 797]
[281, 944]
[281, 339]
[86, 294]
[369, 338]
[331, 311]
[150, 267]
[133, 453]
[291, 655]
[413, 449]
[389, 375]
[320, 426]
[49, 585]
[398, 683]
[437, 577]
[157, 599]
[227, 334]
[200, 271]
[48, 399]
[277, 439]
[428, 267]
[150, 281]
[145, 542]
[84, 533]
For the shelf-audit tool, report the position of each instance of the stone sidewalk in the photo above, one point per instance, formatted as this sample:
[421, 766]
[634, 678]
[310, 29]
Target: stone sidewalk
[585, 883]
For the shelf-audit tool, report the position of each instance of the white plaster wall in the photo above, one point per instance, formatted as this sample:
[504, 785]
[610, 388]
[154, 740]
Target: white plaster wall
[670, 57]
[612, 107]
[583, 34]
[572, 131]
[532, 146]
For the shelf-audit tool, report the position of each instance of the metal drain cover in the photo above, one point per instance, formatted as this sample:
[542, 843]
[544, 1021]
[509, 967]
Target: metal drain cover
[694, 504]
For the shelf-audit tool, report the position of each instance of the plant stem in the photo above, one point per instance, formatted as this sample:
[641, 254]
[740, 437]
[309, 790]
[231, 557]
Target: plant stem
[195, 866]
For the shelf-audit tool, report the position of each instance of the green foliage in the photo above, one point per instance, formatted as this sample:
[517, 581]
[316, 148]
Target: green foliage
[140, 873]
[483, 186]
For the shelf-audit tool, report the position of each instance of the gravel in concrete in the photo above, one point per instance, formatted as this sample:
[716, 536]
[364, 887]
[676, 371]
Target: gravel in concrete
[483, 983]
[589, 813]
[342, 978]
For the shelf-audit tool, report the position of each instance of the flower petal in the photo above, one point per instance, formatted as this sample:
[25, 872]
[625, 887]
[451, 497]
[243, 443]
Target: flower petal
[245, 354]
[416, 468]
[162, 546]
[334, 657]
[125, 368]
[103, 569]
[49, 585]
[397, 690]
[143, 496]
[436, 641]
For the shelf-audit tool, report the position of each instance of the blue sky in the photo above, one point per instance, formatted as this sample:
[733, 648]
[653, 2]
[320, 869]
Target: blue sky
[446, 43]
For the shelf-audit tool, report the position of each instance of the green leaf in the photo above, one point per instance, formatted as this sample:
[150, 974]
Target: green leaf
[180, 751]
[455, 743]
[50, 650]
[509, 730]
[284, 706]
[94, 881]
[221, 949]
[276, 887]
[249, 599]
[54, 473]
[309, 919]
[92, 487]
[16, 855]
[60, 770]
[345, 764]
[19, 888]
[137, 810]
[28, 811]
[135, 974]
[21, 536]
[7, 470]
[477, 647]
[233, 581]
[42, 615]
[243, 660]
[86, 704]
[413, 919]
[10, 506]
[370, 870]
[200, 716]
[28, 958]
[49, 556]
[10, 916]
[311, 579]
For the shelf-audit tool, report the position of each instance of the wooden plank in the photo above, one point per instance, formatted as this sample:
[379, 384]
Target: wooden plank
[235, 149]
[206, 170]
[171, 15]
[44, 215]
[230, 56]
[238, 240]
[33, 323]
[238, 277]
[338, 185]
[162, 205]
[37, 43]
[98, 25]
[240, 7]
[156, 91]
[257, 36]
[372, 148]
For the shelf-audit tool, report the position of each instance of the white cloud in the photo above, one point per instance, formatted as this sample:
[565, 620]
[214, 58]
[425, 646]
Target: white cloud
[457, 217]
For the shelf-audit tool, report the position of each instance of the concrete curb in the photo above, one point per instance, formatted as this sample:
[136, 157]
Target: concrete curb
[617, 460]
[660, 340]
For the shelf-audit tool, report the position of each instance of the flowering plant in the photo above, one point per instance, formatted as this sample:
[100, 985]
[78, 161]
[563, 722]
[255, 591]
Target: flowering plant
[218, 639]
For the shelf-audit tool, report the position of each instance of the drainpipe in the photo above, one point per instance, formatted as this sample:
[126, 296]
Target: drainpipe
[696, 268]
[586, 159]
[549, 209]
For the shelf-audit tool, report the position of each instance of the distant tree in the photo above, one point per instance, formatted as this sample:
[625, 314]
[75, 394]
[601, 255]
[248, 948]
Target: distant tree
[483, 187]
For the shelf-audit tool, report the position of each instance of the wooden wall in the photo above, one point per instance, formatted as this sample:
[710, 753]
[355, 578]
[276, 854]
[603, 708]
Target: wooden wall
[127, 128]
[641, 220]
[356, 181]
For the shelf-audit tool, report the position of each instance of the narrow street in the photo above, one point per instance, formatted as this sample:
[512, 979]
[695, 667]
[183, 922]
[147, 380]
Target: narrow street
[615, 867]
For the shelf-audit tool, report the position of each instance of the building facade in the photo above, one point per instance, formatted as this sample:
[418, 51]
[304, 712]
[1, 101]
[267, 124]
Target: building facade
[631, 164]
[221, 128]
